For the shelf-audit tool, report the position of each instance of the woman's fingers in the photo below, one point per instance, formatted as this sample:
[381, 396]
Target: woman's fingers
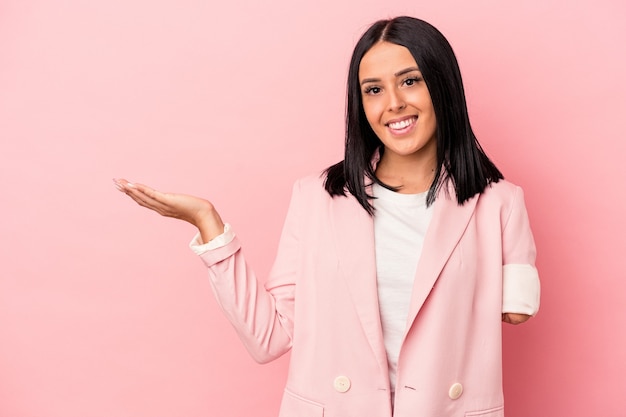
[149, 198]
[148, 194]
[143, 195]
[146, 201]
[179, 206]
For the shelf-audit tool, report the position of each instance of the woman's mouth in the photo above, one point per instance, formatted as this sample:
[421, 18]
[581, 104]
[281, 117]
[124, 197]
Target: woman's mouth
[401, 127]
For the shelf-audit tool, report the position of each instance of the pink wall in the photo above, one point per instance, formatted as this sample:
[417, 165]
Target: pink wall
[103, 309]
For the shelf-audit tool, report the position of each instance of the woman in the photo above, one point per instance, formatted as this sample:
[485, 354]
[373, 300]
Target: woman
[396, 266]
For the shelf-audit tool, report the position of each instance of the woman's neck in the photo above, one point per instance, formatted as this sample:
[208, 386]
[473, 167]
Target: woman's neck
[409, 175]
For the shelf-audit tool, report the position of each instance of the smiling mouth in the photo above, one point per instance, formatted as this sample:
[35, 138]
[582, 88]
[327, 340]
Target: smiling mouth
[402, 124]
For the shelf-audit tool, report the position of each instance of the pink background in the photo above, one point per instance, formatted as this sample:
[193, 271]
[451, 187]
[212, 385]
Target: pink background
[104, 311]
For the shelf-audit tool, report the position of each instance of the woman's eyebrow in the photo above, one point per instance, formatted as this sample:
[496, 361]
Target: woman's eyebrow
[406, 70]
[370, 80]
[397, 74]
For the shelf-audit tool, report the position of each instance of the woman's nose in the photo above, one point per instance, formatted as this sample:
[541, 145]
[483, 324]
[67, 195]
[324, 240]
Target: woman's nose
[396, 101]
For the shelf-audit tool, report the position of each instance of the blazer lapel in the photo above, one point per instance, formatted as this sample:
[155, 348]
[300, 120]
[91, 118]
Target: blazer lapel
[354, 237]
[444, 232]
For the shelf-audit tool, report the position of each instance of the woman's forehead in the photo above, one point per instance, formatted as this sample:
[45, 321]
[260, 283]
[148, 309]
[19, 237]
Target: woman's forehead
[386, 59]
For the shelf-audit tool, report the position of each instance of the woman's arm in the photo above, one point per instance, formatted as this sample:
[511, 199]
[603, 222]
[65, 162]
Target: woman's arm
[514, 318]
[521, 288]
[261, 315]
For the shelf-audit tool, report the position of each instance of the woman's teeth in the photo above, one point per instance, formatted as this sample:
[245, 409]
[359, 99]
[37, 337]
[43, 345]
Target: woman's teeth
[402, 124]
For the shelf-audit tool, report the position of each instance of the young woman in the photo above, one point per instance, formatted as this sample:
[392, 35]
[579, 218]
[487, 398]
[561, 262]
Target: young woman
[397, 265]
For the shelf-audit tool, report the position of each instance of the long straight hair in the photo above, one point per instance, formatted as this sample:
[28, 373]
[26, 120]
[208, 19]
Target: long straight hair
[460, 158]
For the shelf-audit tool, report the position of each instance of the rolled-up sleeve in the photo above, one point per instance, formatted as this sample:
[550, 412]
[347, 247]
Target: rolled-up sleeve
[199, 248]
[521, 288]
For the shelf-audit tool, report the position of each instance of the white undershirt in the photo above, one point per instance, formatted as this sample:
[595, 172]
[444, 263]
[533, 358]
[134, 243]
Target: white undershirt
[400, 224]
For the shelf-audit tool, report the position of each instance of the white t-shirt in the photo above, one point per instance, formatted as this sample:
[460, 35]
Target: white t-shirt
[400, 224]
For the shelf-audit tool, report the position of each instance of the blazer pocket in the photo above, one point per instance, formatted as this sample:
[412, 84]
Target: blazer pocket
[294, 405]
[491, 412]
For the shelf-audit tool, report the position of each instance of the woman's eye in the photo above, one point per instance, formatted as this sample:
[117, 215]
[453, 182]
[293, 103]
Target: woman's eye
[372, 90]
[412, 81]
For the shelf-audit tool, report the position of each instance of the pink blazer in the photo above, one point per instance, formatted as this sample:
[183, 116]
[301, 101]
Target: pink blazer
[321, 302]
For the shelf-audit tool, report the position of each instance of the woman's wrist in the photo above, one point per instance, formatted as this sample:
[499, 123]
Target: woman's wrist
[210, 224]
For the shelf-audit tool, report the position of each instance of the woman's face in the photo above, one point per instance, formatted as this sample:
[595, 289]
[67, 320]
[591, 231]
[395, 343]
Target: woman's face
[397, 103]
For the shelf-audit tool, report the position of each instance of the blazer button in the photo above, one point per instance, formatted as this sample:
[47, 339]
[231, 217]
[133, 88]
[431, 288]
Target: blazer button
[455, 391]
[342, 383]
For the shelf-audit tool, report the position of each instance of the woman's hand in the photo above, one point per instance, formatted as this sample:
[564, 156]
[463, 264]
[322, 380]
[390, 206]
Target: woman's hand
[194, 210]
[514, 318]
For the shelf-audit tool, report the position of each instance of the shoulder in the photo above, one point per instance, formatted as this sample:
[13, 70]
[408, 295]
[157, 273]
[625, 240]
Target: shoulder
[499, 196]
[503, 191]
[313, 181]
[310, 195]
[505, 198]
[310, 189]
[310, 204]
[310, 185]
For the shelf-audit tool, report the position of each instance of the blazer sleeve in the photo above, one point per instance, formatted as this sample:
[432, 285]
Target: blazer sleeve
[521, 288]
[262, 315]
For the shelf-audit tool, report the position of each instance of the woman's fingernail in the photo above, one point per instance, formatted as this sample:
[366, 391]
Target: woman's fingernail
[130, 184]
